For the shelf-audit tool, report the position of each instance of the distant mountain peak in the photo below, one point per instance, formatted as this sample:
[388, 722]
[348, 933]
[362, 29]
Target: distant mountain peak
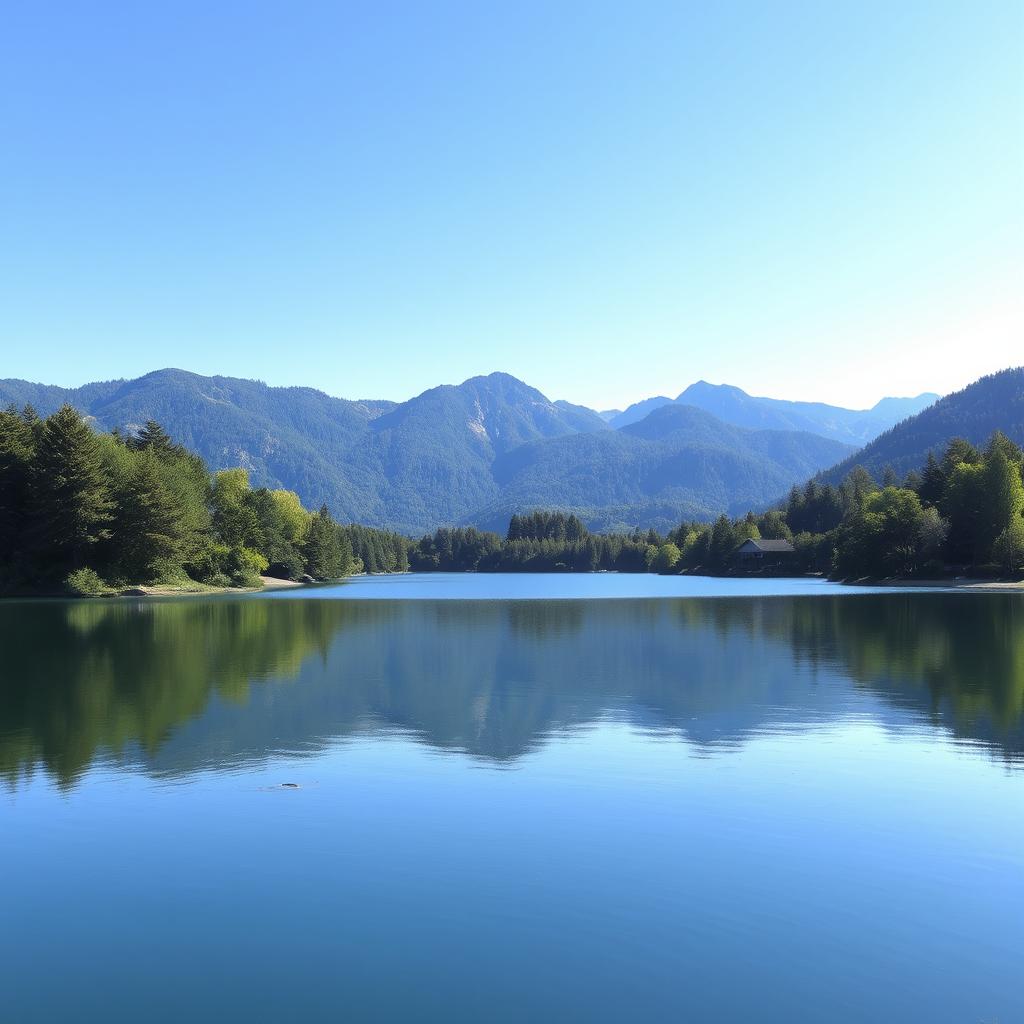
[995, 402]
[734, 405]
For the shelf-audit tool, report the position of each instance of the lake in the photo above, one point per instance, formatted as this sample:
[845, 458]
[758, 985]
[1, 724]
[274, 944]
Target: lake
[514, 798]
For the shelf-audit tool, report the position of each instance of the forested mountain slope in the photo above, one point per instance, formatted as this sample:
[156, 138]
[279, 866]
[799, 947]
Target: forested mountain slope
[678, 462]
[992, 403]
[470, 453]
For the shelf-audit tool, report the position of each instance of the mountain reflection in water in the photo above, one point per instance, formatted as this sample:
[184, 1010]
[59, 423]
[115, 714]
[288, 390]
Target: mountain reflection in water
[179, 686]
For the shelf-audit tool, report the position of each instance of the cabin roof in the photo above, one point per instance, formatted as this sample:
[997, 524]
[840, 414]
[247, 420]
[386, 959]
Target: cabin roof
[775, 546]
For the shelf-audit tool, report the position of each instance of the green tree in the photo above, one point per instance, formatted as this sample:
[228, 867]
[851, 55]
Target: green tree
[70, 494]
[1008, 549]
[17, 449]
[963, 505]
[322, 548]
[156, 439]
[294, 518]
[234, 520]
[773, 526]
[149, 528]
[667, 558]
[1002, 494]
[884, 537]
[933, 482]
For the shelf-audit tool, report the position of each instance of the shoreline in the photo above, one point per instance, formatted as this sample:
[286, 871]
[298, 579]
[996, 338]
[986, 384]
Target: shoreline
[266, 583]
[142, 590]
[956, 583]
[270, 583]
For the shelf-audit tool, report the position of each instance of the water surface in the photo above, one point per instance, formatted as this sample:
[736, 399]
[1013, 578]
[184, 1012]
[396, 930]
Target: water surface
[591, 586]
[770, 808]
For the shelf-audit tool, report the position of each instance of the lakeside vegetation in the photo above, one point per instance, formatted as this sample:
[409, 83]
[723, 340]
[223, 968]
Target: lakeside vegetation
[962, 513]
[94, 513]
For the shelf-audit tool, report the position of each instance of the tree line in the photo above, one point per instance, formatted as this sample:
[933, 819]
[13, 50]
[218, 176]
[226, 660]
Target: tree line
[535, 542]
[95, 512]
[963, 512]
[103, 511]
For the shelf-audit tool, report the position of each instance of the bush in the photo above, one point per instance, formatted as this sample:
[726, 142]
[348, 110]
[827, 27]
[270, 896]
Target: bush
[170, 574]
[210, 566]
[244, 566]
[253, 560]
[85, 583]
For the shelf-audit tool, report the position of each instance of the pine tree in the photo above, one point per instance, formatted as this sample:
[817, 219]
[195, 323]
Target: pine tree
[322, 548]
[149, 526]
[933, 482]
[17, 448]
[1002, 495]
[155, 438]
[70, 493]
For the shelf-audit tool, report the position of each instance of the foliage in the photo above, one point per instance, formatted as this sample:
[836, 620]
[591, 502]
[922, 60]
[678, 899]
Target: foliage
[69, 502]
[535, 542]
[80, 507]
[1008, 548]
[84, 583]
[963, 511]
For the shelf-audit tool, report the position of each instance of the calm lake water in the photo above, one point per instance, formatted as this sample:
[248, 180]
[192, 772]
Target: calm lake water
[678, 802]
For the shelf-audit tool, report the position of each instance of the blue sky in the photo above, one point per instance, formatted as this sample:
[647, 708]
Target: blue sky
[809, 200]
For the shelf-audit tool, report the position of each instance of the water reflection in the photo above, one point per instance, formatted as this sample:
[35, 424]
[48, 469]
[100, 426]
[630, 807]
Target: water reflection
[184, 685]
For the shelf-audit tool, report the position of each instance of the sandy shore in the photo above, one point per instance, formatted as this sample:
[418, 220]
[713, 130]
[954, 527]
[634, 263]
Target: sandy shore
[267, 583]
[1011, 586]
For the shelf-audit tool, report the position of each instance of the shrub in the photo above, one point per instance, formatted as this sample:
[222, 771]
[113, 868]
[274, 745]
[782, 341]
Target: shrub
[210, 566]
[254, 560]
[84, 583]
[244, 566]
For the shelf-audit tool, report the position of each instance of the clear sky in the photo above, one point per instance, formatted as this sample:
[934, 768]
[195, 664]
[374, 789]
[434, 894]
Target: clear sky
[610, 200]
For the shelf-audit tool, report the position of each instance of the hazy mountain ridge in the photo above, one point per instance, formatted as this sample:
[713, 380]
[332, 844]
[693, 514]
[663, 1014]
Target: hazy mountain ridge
[995, 402]
[735, 406]
[470, 453]
[679, 462]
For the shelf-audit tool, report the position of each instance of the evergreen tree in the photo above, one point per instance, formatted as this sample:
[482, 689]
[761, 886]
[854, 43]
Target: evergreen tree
[149, 528]
[17, 449]
[963, 504]
[1002, 493]
[958, 452]
[156, 439]
[322, 547]
[70, 493]
[933, 481]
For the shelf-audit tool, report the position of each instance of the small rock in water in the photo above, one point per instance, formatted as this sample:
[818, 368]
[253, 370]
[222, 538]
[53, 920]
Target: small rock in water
[289, 785]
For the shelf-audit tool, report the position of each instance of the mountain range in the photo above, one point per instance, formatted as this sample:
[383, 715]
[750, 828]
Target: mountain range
[851, 426]
[475, 452]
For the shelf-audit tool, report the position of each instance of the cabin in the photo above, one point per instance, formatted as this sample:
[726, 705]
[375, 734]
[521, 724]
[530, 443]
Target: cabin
[752, 554]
